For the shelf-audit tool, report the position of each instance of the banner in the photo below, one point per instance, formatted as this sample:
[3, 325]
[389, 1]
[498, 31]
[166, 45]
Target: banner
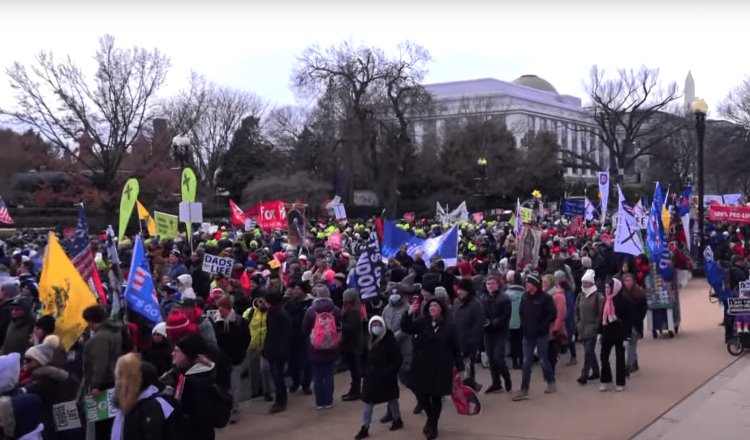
[654, 229]
[218, 265]
[238, 217]
[66, 416]
[368, 270]
[444, 246]
[528, 245]
[732, 199]
[627, 236]
[590, 210]
[460, 214]
[603, 178]
[139, 292]
[166, 225]
[63, 293]
[127, 202]
[724, 213]
[272, 215]
[517, 220]
[188, 185]
[145, 217]
[573, 207]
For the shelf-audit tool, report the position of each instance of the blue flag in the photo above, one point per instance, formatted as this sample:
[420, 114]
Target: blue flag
[573, 207]
[655, 237]
[684, 202]
[139, 292]
[366, 277]
[444, 246]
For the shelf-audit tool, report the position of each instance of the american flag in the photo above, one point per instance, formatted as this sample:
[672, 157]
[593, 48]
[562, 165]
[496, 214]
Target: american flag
[4, 214]
[80, 254]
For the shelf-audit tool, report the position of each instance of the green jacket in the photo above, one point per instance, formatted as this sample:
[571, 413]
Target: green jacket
[18, 336]
[100, 355]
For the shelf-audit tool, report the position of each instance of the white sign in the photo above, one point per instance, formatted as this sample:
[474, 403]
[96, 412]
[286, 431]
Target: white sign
[222, 265]
[191, 212]
[340, 211]
[744, 289]
[66, 416]
[249, 224]
[642, 222]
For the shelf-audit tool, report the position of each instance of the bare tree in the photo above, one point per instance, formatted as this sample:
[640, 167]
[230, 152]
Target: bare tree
[632, 115]
[209, 114]
[111, 109]
[736, 106]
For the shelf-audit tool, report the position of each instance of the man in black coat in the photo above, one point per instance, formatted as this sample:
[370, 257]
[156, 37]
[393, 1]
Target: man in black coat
[299, 366]
[497, 310]
[469, 319]
[537, 311]
[276, 347]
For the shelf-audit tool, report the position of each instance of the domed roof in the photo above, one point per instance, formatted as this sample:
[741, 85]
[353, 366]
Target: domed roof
[534, 82]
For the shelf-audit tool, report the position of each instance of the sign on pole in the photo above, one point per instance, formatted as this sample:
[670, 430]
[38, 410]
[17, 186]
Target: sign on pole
[218, 265]
[191, 212]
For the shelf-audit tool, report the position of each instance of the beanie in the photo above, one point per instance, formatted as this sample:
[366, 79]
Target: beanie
[43, 352]
[350, 295]
[561, 275]
[192, 346]
[160, 329]
[442, 294]
[46, 323]
[179, 325]
[589, 276]
[533, 279]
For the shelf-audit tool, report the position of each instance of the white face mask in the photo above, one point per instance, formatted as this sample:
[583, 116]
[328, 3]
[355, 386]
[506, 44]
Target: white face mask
[376, 330]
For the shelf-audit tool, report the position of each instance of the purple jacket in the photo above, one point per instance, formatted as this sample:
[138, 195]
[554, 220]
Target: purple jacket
[320, 305]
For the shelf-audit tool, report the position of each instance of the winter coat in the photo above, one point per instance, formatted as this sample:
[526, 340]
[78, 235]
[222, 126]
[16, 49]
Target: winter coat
[206, 329]
[146, 421]
[537, 313]
[233, 338]
[558, 330]
[515, 293]
[622, 328]
[318, 306]
[588, 314]
[468, 317]
[258, 324]
[53, 385]
[160, 355]
[5, 316]
[380, 378]
[18, 336]
[639, 305]
[278, 336]
[497, 310]
[196, 387]
[392, 315]
[100, 355]
[436, 355]
[296, 311]
[352, 331]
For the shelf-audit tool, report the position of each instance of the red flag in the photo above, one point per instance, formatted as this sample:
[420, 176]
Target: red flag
[272, 215]
[379, 227]
[238, 217]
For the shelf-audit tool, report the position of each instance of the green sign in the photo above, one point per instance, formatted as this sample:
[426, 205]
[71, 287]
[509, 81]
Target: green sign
[166, 225]
[101, 408]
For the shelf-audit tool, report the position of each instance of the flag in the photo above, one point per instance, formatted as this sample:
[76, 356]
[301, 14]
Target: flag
[82, 258]
[444, 246]
[114, 258]
[144, 216]
[139, 292]
[627, 236]
[368, 270]
[683, 204]
[519, 223]
[4, 214]
[188, 185]
[127, 202]
[63, 293]
[654, 228]
[603, 178]
[590, 210]
[238, 217]
[115, 277]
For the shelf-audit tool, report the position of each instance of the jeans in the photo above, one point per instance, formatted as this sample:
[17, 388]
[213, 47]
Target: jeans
[571, 345]
[323, 383]
[353, 363]
[299, 367]
[590, 364]
[632, 354]
[393, 410]
[432, 406]
[541, 344]
[607, 346]
[553, 350]
[516, 345]
[494, 345]
[260, 373]
[277, 373]
[469, 371]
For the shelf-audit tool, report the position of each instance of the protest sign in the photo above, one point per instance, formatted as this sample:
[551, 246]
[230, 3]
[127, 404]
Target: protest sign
[724, 213]
[101, 408]
[166, 225]
[218, 265]
[66, 416]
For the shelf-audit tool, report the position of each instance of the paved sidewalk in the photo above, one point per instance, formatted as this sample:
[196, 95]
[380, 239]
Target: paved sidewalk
[718, 410]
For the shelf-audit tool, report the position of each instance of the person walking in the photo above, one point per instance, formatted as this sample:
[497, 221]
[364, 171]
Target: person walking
[615, 329]
[321, 323]
[515, 292]
[380, 378]
[436, 354]
[587, 316]
[276, 347]
[637, 298]
[537, 312]
[352, 336]
[469, 319]
[497, 310]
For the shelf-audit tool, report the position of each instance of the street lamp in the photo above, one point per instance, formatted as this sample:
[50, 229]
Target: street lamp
[700, 108]
[482, 164]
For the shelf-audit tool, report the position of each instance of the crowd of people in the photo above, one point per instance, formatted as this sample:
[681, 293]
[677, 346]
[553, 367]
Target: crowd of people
[286, 320]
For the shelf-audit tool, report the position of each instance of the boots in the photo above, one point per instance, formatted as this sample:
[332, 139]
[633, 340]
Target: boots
[364, 432]
[352, 395]
[430, 429]
[396, 425]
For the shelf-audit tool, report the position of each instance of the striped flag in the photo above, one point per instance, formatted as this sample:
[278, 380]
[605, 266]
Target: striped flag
[4, 214]
[80, 254]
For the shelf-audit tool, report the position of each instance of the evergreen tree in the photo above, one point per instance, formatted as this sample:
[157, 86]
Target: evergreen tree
[250, 154]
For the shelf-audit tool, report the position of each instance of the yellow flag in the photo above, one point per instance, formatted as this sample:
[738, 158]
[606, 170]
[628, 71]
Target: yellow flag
[63, 293]
[665, 219]
[145, 216]
[127, 202]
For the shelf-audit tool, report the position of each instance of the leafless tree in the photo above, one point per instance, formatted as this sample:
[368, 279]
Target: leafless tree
[632, 114]
[111, 108]
[736, 106]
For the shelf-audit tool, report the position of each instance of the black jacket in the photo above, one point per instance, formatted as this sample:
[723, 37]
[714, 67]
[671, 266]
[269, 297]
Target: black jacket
[736, 275]
[233, 338]
[622, 328]
[53, 385]
[639, 308]
[196, 405]
[296, 311]
[469, 319]
[5, 317]
[537, 313]
[497, 311]
[380, 378]
[352, 331]
[146, 421]
[160, 355]
[278, 335]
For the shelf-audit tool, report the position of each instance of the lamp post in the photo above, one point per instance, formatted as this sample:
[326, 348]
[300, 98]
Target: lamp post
[482, 164]
[700, 108]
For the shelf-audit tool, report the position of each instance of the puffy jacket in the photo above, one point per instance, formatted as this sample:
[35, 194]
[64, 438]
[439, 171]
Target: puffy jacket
[257, 323]
[53, 385]
[558, 329]
[318, 306]
[233, 338]
[497, 310]
[468, 317]
[100, 355]
[537, 314]
[588, 314]
[278, 335]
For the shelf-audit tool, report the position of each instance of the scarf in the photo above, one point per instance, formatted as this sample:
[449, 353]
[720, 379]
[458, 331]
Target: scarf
[119, 422]
[608, 315]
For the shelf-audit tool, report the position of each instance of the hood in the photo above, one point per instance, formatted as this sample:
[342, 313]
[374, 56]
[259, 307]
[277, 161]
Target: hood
[323, 305]
[128, 379]
[588, 291]
[202, 365]
[373, 320]
[10, 367]
[616, 286]
[50, 372]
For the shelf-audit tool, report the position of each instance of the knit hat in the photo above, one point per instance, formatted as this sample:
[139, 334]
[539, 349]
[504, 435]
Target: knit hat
[188, 295]
[495, 276]
[179, 325]
[442, 294]
[184, 281]
[589, 276]
[160, 329]
[43, 352]
[192, 346]
[533, 279]
[46, 323]
[561, 275]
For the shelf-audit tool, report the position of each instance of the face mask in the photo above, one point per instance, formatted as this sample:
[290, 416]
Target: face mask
[376, 330]
[394, 299]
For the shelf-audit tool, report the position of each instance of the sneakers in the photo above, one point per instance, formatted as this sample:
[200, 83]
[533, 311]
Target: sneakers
[364, 432]
[604, 387]
[551, 388]
[521, 395]
[594, 376]
[494, 388]
[320, 408]
[350, 397]
[619, 388]
[396, 425]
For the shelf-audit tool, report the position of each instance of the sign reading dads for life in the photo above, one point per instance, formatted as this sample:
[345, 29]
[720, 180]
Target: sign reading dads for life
[218, 265]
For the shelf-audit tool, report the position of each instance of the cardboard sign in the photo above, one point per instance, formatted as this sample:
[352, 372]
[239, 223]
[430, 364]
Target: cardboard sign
[219, 265]
[101, 408]
[724, 213]
[738, 306]
[66, 416]
[166, 225]
[191, 212]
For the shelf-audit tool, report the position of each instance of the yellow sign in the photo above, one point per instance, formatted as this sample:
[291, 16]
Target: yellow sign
[527, 215]
[166, 225]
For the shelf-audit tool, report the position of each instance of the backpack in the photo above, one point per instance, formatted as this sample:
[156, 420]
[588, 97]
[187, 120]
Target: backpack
[324, 335]
[221, 404]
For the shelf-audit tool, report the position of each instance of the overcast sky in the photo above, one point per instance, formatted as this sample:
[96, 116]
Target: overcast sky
[253, 45]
